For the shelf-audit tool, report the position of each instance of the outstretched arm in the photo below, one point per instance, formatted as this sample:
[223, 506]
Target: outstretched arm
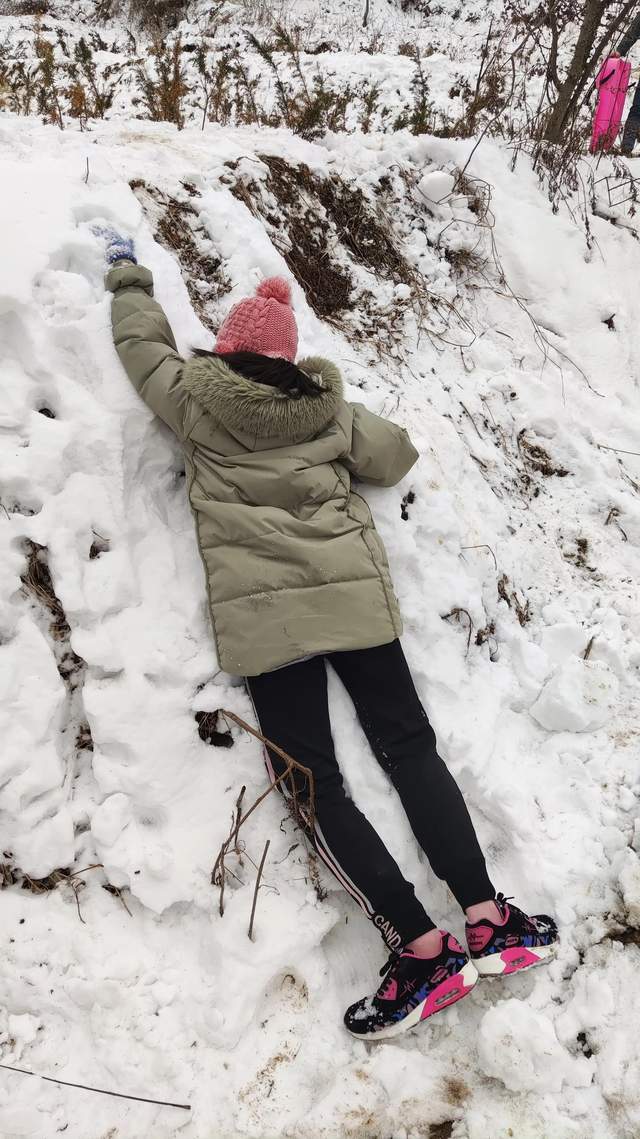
[145, 342]
[381, 452]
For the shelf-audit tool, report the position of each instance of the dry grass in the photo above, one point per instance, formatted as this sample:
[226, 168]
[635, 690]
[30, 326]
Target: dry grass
[47, 884]
[339, 244]
[37, 581]
[209, 731]
[441, 1130]
[8, 875]
[327, 284]
[300, 231]
[178, 229]
[84, 739]
[522, 608]
[456, 1091]
[190, 82]
[628, 936]
[26, 8]
[537, 458]
[155, 15]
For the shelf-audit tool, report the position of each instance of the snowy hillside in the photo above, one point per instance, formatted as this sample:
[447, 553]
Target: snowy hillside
[466, 308]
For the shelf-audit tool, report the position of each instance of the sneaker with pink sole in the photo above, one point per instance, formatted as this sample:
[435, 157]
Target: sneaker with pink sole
[414, 988]
[516, 942]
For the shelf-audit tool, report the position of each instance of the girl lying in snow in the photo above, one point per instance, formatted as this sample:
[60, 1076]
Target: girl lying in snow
[297, 576]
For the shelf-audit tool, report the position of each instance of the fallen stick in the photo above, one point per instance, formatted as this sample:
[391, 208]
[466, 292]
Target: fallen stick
[618, 450]
[101, 1091]
[255, 892]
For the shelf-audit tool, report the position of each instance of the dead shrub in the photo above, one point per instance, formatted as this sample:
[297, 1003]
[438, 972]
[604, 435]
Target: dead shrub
[370, 100]
[421, 117]
[27, 8]
[215, 85]
[164, 89]
[157, 16]
[89, 97]
[47, 94]
[308, 106]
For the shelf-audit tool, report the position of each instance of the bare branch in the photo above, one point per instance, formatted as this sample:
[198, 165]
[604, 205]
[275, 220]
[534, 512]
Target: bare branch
[303, 814]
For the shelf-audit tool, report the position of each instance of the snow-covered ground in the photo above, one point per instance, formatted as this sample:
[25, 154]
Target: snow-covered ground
[235, 81]
[523, 533]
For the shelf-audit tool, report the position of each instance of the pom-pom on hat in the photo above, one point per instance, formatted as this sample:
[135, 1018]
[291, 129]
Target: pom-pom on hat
[264, 323]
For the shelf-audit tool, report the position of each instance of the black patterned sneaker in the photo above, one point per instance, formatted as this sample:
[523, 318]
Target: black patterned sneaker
[413, 989]
[517, 942]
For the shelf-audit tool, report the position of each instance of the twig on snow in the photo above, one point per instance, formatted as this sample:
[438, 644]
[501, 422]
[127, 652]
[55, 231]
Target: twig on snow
[100, 1091]
[116, 892]
[238, 815]
[94, 866]
[618, 450]
[587, 652]
[304, 815]
[483, 546]
[255, 892]
[613, 515]
[219, 872]
[467, 412]
[458, 614]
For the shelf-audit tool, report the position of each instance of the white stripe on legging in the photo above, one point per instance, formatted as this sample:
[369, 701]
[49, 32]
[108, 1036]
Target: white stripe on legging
[340, 873]
[320, 841]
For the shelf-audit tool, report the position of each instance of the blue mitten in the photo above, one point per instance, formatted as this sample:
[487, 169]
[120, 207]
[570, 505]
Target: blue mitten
[118, 247]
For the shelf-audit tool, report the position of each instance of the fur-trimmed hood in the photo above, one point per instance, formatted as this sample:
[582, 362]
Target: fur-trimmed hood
[244, 406]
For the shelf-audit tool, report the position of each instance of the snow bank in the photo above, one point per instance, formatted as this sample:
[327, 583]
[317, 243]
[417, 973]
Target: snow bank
[580, 696]
[505, 572]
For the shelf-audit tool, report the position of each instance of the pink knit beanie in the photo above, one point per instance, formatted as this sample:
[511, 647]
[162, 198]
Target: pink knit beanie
[264, 323]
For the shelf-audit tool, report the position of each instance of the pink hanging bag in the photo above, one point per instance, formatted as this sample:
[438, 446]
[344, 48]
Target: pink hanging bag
[612, 82]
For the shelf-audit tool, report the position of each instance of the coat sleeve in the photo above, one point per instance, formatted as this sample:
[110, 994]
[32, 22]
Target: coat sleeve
[147, 349]
[381, 452]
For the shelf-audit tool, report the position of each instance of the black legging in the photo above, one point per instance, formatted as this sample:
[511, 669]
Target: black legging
[292, 707]
[632, 125]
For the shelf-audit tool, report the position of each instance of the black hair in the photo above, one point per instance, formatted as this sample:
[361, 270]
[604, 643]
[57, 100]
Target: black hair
[275, 372]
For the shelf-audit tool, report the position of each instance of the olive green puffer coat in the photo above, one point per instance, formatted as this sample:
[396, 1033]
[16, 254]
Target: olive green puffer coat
[292, 560]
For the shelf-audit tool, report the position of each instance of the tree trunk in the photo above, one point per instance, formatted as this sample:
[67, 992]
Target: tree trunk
[593, 13]
[365, 18]
[583, 64]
